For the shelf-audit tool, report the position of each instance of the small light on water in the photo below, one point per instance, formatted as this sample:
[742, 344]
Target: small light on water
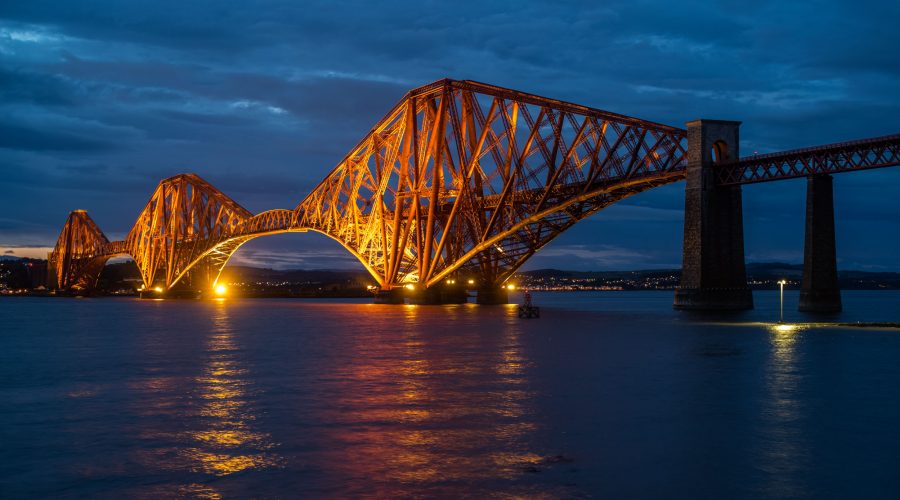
[785, 328]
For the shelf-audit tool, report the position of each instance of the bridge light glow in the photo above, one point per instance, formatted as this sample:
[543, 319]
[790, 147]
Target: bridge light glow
[510, 287]
[471, 282]
[220, 290]
[158, 289]
[410, 286]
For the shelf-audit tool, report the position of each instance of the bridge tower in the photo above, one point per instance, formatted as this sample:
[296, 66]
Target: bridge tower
[713, 273]
[819, 290]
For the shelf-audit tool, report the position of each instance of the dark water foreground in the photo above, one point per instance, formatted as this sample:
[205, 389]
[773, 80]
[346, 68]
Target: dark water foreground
[607, 395]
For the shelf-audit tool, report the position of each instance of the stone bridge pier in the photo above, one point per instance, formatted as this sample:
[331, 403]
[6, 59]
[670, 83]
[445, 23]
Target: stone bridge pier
[819, 291]
[713, 273]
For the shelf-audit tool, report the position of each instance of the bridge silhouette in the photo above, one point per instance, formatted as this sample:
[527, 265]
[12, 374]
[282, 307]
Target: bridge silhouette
[465, 181]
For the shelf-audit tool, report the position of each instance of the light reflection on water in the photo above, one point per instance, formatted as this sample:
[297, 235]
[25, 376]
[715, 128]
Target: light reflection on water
[785, 449]
[277, 398]
[420, 410]
[205, 421]
[229, 444]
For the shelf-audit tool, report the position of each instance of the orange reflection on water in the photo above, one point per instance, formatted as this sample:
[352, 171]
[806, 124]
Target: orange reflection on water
[228, 445]
[403, 395]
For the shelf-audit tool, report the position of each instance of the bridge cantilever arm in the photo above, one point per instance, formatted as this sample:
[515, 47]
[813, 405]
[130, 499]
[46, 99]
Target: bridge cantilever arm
[864, 154]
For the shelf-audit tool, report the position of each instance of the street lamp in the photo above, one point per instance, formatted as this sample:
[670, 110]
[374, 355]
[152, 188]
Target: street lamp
[781, 286]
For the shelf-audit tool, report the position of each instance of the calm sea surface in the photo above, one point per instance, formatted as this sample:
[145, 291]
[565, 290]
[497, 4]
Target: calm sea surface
[607, 395]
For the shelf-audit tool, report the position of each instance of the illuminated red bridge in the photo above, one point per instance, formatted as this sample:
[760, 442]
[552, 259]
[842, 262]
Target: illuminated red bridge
[465, 181]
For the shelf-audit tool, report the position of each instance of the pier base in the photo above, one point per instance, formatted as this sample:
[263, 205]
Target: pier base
[170, 294]
[492, 296]
[819, 291]
[438, 295]
[713, 273]
[392, 296]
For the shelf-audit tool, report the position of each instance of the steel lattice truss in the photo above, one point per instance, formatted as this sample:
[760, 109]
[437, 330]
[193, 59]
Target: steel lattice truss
[830, 159]
[79, 254]
[458, 179]
[466, 177]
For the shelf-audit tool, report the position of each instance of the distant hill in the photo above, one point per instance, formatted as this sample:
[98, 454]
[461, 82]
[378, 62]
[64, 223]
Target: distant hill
[247, 274]
[759, 275]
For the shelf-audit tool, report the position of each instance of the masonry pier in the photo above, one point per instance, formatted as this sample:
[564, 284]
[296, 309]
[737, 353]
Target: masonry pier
[819, 291]
[713, 273]
[492, 295]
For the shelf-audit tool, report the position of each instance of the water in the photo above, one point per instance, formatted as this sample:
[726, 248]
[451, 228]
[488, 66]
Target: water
[607, 395]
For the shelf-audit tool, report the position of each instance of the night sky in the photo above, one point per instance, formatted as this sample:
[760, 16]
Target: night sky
[101, 100]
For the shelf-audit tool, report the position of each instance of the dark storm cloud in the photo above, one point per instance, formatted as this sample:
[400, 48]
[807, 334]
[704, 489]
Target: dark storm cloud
[35, 88]
[102, 99]
[37, 139]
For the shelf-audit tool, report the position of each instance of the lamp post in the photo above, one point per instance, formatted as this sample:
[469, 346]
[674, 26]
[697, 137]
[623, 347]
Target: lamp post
[781, 286]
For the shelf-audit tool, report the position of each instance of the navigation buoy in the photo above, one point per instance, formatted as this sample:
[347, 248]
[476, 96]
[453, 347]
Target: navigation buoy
[529, 310]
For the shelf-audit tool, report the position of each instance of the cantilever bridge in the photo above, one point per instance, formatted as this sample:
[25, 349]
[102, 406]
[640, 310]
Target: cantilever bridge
[459, 179]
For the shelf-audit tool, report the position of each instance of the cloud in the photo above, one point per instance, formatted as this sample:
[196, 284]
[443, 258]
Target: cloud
[310, 259]
[27, 252]
[593, 256]
[34, 139]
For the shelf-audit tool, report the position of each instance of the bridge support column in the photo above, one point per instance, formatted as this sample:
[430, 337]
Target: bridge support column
[819, 290]
[713, 273]
[492, 295]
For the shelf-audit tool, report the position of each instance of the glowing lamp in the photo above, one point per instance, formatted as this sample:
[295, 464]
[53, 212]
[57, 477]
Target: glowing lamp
[220, 290]
[510, 287]
[158, 289]
[410, 286]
